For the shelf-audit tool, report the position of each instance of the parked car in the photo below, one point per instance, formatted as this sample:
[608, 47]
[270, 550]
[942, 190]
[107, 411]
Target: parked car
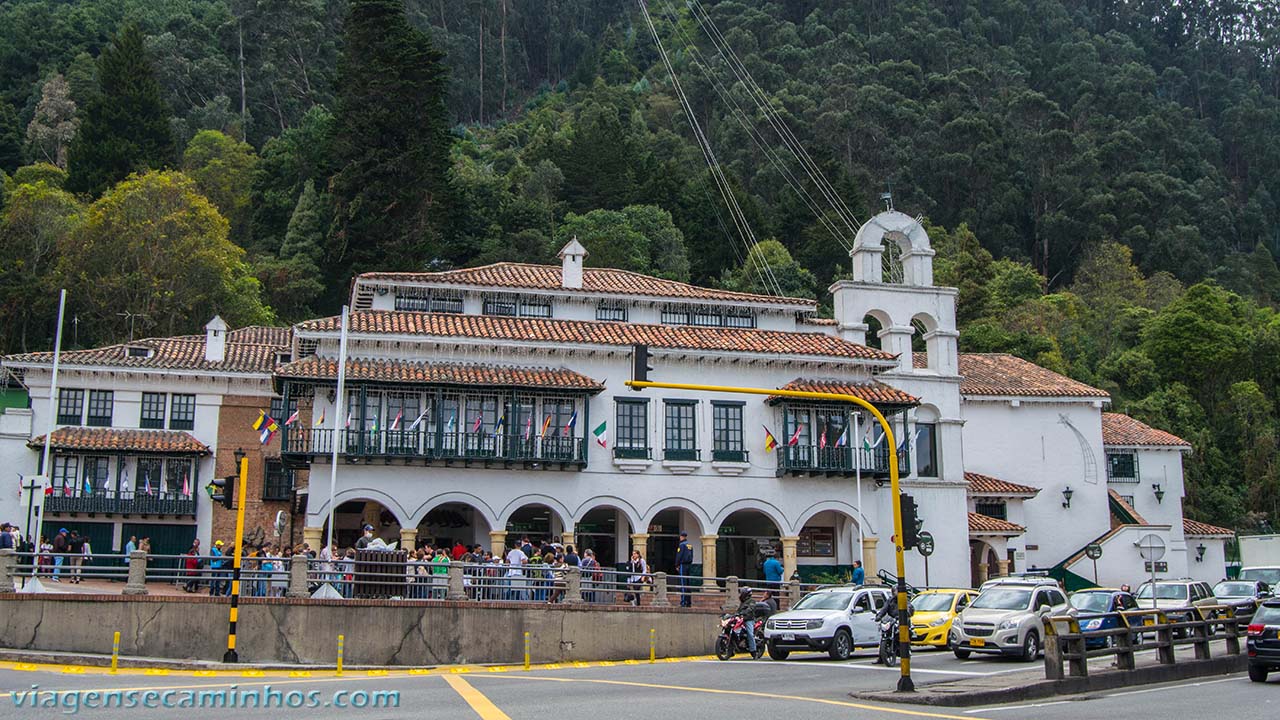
[1100, 600]
[1175, 594]
[933, 612]
[837, 620]
[1269, 574]
[1007, 618]
[1263, 641]
[1243, 595]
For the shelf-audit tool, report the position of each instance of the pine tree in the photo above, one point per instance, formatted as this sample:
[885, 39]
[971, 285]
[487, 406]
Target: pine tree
[392, 194]
[305, 236]
[10, 138]
[125, 126]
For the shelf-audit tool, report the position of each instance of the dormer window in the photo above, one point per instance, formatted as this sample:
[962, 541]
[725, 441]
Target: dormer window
[612, 310]
[511, 305]
[307, 348]
[283, 357]
[500, 304]
[429, 300]
[708, 316]
[138, 351]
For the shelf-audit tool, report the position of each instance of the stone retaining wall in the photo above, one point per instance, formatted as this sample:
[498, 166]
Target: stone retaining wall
[279, 630]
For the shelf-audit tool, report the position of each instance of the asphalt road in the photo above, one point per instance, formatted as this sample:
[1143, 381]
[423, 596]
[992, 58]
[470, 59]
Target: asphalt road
[805, 687]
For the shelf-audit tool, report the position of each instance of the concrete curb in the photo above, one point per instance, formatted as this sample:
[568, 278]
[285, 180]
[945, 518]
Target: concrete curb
[91, 660]
[954, 694]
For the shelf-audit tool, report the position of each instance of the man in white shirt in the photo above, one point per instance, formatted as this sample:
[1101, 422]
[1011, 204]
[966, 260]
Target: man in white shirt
[516, 588]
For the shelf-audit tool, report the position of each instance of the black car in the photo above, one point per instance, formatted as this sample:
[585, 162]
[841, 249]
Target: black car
[1243, 595]
[1264, 641]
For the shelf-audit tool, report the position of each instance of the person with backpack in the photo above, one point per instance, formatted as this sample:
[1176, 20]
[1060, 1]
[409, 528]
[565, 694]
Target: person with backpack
[591, 575]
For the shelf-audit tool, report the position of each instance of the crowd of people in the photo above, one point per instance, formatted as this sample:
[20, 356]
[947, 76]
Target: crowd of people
[66, 554]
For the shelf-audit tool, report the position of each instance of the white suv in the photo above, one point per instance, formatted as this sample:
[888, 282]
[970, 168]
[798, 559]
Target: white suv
[1176, 595]
[837, 620]
[1007, 618]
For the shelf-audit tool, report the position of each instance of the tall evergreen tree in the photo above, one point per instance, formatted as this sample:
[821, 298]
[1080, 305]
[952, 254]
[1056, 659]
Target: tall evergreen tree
[10, 138]
[126, 125]
[392, 194]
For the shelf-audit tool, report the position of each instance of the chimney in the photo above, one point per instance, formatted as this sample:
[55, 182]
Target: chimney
[215, 340]
[571, 257]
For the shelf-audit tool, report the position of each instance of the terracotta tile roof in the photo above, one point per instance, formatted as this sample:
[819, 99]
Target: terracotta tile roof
[985, 525]
[249, 350]
[586, 332]
[397, 371]
[1195, 527]
[874, 392]
[1002, 374]
[818, 321]
[1125, 508]
[987, 485]
[101, 439]
[1120, 429]
[594, 280]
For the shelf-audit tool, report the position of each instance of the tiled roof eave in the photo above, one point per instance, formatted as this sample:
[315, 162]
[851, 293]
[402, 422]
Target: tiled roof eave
[1153, 446]
[319, 381]
[1014, 494]
[143, 369]
[120, 441]
[993, 397]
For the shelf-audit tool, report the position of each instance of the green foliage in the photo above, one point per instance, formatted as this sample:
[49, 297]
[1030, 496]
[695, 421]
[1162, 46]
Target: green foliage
[125, 126]
[51, 175]
[769, 269]
[223, 169]
[292, 281]
[154, 246]
[391, 192]
[10, 138]
[38, 218]
[54, 125]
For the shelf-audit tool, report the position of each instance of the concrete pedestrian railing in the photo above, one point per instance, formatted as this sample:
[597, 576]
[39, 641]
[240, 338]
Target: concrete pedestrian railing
[1066, 651]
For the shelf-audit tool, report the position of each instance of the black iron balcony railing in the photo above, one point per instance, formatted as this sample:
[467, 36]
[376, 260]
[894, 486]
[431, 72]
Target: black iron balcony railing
[426, 444]
[122, 502]
[843, 460]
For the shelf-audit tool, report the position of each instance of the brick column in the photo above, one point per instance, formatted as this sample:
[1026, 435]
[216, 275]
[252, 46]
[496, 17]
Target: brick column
[789, 556]
[408, 536]
[870, 564]
[709, 561]
[498, 542]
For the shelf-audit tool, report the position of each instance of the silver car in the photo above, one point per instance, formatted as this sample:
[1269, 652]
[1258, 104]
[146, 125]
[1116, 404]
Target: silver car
[836, 620]
[1007, 619]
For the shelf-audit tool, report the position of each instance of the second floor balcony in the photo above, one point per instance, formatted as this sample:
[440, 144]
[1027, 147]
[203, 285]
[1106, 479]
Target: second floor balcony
[431, 446]
[120, 502]
[814, 460]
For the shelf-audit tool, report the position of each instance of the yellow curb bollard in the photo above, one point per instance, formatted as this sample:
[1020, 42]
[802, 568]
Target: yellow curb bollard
[341, 640]
[115, 653]
[526, 650]
[653, 644]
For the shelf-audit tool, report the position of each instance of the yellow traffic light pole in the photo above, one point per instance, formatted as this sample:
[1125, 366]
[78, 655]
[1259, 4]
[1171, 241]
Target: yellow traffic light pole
[905, 683]
[231, 654]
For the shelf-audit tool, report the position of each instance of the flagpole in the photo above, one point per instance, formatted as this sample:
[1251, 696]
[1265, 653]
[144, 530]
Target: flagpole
[45, 469]
[857, 464]
[337, 413]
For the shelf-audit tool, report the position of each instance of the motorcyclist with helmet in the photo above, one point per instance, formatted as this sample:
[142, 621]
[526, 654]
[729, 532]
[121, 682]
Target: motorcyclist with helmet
[890, 611]
[747, 609]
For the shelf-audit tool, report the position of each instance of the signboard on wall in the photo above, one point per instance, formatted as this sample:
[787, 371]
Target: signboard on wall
[817, 542]
[1161, 566]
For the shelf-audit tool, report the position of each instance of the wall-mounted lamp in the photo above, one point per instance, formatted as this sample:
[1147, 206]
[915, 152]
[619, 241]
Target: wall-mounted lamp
[1200, 552]
[1158, 491]
[1067, 492]
[239, 455]
[333, 394]
[880, 483]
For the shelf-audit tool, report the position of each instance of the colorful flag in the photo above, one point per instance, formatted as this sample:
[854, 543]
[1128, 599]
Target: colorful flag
[822, 439]
[147, 490]
[452, 417]
[528, 426]
[375, 424]
[321, 423]
[348, 425]
[602, 434]
[292, 419]
[546, 424]
[497, 427]
[186, 487]
[88, 486]
[66, 490]
[573, 420]
[395, 424]
[266, 426]
[844, 438]
[795, 437]
[770, 442]
[478, 424]
[418, 422]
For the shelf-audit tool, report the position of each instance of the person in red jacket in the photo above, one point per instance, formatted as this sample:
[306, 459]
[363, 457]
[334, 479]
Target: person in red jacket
[458, 550]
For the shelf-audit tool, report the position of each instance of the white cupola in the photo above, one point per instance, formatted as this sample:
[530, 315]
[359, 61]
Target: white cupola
[571, 257]
[215, 340]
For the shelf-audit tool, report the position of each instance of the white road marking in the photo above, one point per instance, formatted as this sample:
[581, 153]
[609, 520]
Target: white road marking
[880, 668]
[1015, 707]
[1163, 688]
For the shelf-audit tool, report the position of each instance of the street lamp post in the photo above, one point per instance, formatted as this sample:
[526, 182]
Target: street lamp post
[905, 683]
[231, 655]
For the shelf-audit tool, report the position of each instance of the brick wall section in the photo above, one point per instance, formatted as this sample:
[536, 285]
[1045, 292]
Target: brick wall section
[235, 431]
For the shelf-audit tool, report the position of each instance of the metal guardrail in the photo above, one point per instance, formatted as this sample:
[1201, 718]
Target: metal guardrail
[1067, 650]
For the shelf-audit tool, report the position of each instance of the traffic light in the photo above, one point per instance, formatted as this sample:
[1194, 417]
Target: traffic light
[911, 523]
[640, 364]
[224, 489]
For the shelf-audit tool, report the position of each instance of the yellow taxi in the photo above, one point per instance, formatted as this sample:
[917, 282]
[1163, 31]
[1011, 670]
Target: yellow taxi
[932, 613]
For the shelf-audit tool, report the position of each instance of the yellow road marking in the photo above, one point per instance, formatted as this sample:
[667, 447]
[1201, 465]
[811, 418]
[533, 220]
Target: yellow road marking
[478, 702]
[748, 693]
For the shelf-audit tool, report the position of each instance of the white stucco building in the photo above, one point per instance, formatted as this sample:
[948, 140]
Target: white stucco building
[472, 397]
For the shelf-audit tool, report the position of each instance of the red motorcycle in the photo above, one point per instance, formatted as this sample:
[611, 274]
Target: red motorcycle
[733, 637]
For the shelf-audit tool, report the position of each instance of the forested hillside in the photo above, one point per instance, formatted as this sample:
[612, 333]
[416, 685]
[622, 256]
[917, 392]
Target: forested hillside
[1102, 177]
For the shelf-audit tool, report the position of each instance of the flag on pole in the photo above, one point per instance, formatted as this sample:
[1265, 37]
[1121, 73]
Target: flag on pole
[573, 420]
[395, 424]
[497, 427]
[375, 424]
[770, 442]
[292, 419]
[546, 424]
[602, 434]
[844, 438]
[66, 490]
[266, 427]
[417, 422]
[321, 423]
[795, 437]
[822, 439]
[452, 418]
[186, 486]
[88, 486]
[147, 489]
[478, 424]
[348, 425]
[528, 427]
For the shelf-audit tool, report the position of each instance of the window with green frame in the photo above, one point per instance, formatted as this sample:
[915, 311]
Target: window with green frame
[152, 410]
[727, 440]
[633, 429]
[681, 430]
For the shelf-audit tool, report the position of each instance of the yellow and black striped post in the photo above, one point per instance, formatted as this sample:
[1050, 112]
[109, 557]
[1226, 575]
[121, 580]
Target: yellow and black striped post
[231, 654]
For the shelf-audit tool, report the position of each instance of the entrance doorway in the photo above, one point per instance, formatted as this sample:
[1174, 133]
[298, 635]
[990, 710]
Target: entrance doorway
[747, 537]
